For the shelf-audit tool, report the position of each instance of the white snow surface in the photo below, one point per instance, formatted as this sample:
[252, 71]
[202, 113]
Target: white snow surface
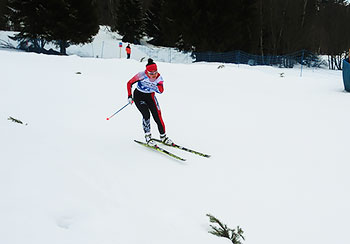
[279, 167]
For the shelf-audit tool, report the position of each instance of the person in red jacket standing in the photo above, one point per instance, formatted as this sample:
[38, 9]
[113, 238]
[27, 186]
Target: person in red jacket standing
[149, 82]
[128, 51]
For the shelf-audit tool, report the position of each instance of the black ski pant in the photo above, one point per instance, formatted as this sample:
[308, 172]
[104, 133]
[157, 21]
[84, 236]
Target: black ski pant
[147, 104]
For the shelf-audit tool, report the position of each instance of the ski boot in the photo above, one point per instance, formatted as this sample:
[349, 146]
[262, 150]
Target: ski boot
[166, 140]
[149, 140]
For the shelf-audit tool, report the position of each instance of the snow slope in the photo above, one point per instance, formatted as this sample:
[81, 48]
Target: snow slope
[279, 167]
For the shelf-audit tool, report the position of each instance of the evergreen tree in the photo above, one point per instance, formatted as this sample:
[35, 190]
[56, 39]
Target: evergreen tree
[29, 18]
[63, 21]
[154, 16]
[331, 19]
[105, 11]
[3, 20]
[175, 22]
[209, 25]
[286, 26]
[248, 16]
[76, 22]
[130, 20]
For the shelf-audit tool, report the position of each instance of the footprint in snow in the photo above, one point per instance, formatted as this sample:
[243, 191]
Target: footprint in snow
[64, 222]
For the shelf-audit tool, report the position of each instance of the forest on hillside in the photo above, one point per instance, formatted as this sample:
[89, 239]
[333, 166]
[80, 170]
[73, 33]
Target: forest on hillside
[259, 27]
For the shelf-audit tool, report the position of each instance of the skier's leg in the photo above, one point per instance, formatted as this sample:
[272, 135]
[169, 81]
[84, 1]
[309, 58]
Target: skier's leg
[140, 102]
[157, 114]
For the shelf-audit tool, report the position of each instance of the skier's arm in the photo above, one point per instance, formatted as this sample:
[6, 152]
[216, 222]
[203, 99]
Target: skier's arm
[132, 81]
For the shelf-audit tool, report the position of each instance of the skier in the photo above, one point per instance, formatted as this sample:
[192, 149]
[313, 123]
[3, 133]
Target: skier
[149, 82]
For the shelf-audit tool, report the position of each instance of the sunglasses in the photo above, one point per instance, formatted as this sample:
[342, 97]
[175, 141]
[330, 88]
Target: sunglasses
[153, 72]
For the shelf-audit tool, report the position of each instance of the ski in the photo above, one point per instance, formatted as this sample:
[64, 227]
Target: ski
[183, 148]
[161, 150]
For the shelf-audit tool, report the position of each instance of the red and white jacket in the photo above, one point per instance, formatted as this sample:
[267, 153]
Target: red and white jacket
[145, 84]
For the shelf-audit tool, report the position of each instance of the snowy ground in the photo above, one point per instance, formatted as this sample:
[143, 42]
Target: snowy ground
[279, 167]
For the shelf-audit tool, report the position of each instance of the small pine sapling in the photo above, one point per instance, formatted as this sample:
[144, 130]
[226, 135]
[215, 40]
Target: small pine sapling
[235, 235]
[16, 120]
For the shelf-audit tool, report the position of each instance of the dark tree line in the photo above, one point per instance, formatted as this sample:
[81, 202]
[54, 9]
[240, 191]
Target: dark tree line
[254, 26]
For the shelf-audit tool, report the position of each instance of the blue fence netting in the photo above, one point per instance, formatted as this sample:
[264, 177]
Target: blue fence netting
[302, 57]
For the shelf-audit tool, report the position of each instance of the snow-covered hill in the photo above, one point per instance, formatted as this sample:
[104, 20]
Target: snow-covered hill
[279, 167]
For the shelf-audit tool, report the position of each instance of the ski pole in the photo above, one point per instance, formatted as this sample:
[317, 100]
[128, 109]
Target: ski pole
[118, 111]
